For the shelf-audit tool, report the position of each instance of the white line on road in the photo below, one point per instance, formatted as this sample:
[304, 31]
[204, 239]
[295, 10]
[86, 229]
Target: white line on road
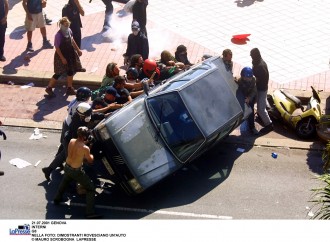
[170, 213]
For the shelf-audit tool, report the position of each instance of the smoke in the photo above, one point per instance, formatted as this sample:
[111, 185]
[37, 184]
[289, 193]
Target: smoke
[159, 40]
[118, 31]
[117, 34]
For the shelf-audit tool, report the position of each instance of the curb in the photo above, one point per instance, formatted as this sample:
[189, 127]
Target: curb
[42, 78]
[278, 143]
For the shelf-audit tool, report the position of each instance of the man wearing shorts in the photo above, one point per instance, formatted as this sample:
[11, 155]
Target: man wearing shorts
[35, 19]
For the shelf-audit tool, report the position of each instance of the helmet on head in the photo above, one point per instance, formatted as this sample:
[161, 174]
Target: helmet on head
[133, 72]
[83, 94]
[247, 72]
[149, 66]
[84, 109]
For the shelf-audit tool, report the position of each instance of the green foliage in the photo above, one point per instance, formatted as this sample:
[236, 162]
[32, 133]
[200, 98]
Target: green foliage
[321, 198]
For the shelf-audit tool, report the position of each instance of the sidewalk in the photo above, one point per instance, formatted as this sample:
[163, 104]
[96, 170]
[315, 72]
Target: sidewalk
[294, 44]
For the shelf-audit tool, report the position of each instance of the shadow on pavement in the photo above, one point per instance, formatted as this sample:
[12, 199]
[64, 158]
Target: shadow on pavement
[184, 187]
[49, 105]
[12, 3]
[314, 161]
[17, 33]
[21, 60]
[89, 41]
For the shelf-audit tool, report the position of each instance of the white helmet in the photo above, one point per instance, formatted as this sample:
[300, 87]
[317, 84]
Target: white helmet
[84, 109]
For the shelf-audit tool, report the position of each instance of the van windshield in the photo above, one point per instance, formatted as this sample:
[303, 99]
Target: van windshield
[175, 125]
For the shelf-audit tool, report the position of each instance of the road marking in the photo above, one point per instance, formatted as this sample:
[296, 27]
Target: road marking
[163, 212]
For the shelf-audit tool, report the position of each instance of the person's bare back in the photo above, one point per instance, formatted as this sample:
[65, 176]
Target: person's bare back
[78, 152]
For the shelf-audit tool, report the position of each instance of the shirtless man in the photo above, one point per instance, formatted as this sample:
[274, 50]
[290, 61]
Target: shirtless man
[78, 152]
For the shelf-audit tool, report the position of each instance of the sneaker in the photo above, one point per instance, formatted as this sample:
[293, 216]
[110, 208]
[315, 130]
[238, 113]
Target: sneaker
[267, 129]
[46, 171]
[93, 216]
[47, 20]
[81, 70]
[50, 92]
[2, 58]
[47, 45]
[71, 91]
[29, 47]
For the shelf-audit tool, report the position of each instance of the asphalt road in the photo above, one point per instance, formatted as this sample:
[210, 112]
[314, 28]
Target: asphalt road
[223, 184]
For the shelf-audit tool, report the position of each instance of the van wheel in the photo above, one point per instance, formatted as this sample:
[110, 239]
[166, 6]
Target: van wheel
[306, 128]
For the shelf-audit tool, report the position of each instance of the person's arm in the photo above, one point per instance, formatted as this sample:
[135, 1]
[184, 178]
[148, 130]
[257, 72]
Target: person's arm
[132, 86]
[87, 155]
[111, 106]
[24, 3]
[80, 8]
[75, 46]
[130, 99]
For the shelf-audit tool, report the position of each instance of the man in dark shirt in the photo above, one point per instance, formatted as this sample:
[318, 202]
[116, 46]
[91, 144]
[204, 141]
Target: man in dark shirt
[108, 102]
[260, 71]
[137, 43]
[124, 94]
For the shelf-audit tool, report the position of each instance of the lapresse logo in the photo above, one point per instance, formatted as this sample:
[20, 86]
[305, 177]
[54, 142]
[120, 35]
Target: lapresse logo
[21, 230]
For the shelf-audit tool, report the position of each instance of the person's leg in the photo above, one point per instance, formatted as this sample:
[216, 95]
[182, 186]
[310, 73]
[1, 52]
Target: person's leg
[29, 38]
[108, 14]
[57, 162]
[263, 114]
[261, 108]
[70, 90]
[67, 178]
[250, 120]
[47, 20]
[2, 41]
[30, 26]
[76, 32]
[46, 44]
[86, 182]
[51, 85]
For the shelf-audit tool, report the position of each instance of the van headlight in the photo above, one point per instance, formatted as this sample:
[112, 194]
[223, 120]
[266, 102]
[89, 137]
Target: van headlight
[103, 132]
[135, 185]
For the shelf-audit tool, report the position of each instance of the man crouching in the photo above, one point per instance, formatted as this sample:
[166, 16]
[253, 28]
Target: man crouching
[78, 152]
